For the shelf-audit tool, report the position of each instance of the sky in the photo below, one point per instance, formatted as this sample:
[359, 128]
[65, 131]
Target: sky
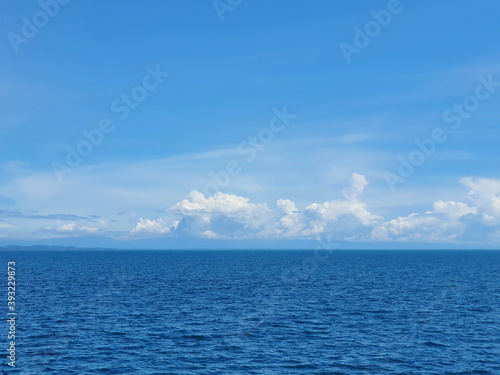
[173, 123]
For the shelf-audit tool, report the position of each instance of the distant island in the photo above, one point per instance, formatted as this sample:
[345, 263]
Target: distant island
[48, 247]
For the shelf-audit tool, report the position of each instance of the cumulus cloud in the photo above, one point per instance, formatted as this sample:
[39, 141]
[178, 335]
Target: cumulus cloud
[89, 229]
[72, 228]
[331, 211]
[453, 209]
[358, 184]
[448, 221]
[345, 217]
[485, 194]
[148, 226]
[220, 216]
[413, 227]
[230, 216]
[290, 222]
[66, 228]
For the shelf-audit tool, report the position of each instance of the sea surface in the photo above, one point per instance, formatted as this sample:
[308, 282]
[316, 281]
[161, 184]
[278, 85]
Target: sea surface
[254, 312]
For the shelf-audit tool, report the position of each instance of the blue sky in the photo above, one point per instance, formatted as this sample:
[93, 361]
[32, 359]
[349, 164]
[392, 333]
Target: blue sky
[314, 139]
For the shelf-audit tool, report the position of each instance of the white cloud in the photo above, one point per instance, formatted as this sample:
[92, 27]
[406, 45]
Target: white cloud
[287, 221]
[227, 204]
[413, 227]
[223, 215]
[157, 226]
[89, 229]
[209, 234]
[72, 228]
[358, 184]
[443, 223]
[453, 209]
[231, 216]
[485, 193]
[328, 213]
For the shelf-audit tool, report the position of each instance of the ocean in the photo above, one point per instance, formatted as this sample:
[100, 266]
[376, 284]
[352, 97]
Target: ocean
[254, 312]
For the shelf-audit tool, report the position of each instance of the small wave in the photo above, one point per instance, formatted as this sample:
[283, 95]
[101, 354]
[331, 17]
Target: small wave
[431, 343]
[194, 337]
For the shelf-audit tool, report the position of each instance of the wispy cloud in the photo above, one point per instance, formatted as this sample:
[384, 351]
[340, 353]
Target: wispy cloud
[14, 214]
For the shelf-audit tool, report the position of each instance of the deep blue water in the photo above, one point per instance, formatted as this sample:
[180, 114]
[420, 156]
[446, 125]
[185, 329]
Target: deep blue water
[256, 312]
